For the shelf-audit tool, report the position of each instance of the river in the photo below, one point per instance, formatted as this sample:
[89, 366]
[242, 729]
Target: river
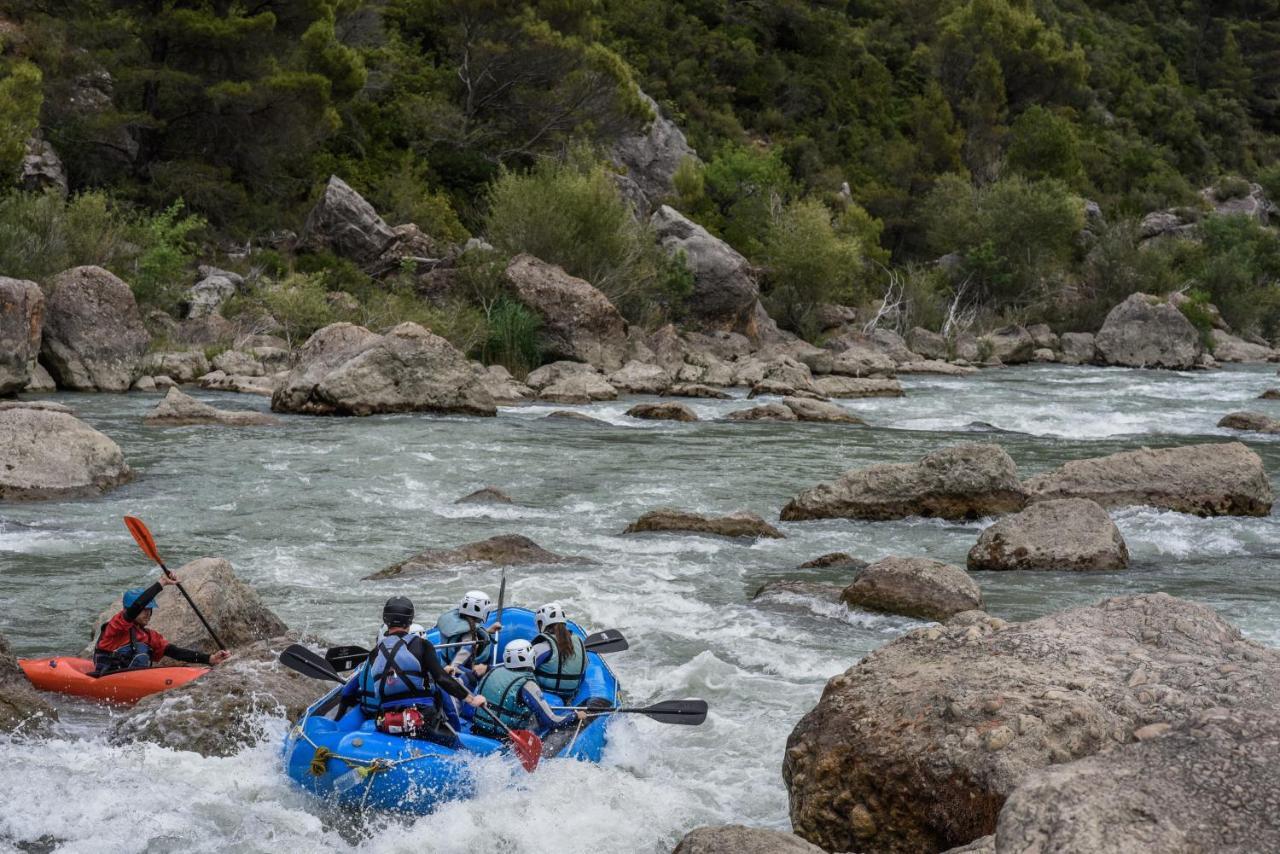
[305, 510]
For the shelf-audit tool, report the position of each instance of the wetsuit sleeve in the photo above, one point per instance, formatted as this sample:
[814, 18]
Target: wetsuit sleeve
[462, 655]
[431, 664]
[190, 656]
[536, 701]
[131, 613]
[541, 652]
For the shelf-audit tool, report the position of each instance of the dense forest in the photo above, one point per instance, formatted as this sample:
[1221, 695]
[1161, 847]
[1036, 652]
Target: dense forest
[843, 146]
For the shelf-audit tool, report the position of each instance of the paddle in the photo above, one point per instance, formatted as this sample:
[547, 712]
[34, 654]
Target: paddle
[601, 643]
[148, 545]
[497, 639]
[685, 712]
[298, 658]
[526, 744]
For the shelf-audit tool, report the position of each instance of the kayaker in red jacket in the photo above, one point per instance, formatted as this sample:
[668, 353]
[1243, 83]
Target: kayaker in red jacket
[125, 642]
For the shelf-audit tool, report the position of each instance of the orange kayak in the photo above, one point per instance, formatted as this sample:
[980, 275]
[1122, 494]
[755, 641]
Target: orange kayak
[72, 676]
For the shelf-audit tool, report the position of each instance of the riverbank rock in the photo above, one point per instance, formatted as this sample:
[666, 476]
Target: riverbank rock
[650, 158]
[504, 550]
[1205, 480]
[344, 223]
[1012, 345]
[916, 748]
[1252, 421]
[578, 388]
[578, 321]
[933, 366]
[783, 589]
[1078, 348]
[205, 297]
[767, 412]
[234, 610]
[738, 839]
[725, 291]
[183, 366]
[93, 338]
[22, 707]
[502, 387]
[50, 455]
[21, 316]
[177, 409]
[931, 345]
[670, 520]
[913, 587]
[662, 412]
[222, 381]
[1070, 534]
[1229, 348]
[852, 387]
[961, 482]
[1147, 332]
[238, 363]
[41, 381]
[345, 369]
[1207, 786]
[487, 495]
[852, 356]
[640, 378]
[569, 415]
[222, 712]
[819, 411]
[696, 390]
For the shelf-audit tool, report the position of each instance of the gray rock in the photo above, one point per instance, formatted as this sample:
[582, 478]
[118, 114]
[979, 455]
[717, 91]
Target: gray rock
[578, 388]
[1043, 336]
[857, 357]
[1229, 348]
[767, 412]
[649, 158]
[892, 345]
[503, 387]
[222, 381]
[487, 495]
[547, 375]
[183, 366]
[933, 366]
[1206, 480]
[820, 411]
[578, 321]
[639, 378]
[144, 384]
[344, 223]
[1162, 224]
[1270, 394]
[178, 409]
[505, 550]
[1012, 345]
[696, 390]
[725, 291]
[40, 381]
[568, 415]
[1069, 534]
[42, 170]
[662, 412]
[737, 839]
[669, 520]
[1256, 422]
[53, 455]
[93, 338]
[931, 345]
[1254, 204]
[917, 747]
[961, 482]
[1147, 332]
[1044, 355]
[851, 387]
[1078, 347]
[348, 370]
[913, 587]
[21, 316]
[834, 560]
[238, 363]
[205, 297]
[22, 708]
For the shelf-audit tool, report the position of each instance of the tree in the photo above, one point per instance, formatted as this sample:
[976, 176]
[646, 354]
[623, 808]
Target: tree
[1043, 145]
[20, 98]
[809, 264]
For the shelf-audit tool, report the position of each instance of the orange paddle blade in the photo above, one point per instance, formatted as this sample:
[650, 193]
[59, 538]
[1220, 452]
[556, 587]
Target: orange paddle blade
[528, 747]
[143, 537]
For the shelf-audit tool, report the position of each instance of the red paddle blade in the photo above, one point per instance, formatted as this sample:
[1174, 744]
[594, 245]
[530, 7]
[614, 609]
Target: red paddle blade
[143, 537]
[528, 747]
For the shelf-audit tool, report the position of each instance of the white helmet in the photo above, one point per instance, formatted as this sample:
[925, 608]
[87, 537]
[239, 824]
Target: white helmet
[415, 629]
[518, 655]
[549, 614]
[475, 604]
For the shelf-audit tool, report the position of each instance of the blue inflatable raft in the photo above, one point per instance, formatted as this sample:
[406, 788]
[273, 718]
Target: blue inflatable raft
[335, 752]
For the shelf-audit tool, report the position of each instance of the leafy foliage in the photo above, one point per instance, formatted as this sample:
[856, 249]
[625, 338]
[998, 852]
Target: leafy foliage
[809, 264]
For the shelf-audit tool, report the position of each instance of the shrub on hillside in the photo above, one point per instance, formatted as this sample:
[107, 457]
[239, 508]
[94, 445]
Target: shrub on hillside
[809, 264]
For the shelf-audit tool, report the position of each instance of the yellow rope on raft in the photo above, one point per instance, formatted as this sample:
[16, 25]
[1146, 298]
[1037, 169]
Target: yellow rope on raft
[320, 761]
[365, 768]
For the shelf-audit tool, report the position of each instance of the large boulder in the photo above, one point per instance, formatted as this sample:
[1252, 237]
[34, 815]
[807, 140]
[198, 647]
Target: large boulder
[916, 748]
[205, 297]
[182, 366]
[347, 370]
[22, 707]
[177, 409]
[344, 223]
[913, 587]
[1068, 533]
[1207, 480]
[233, 609]
[227, 709]
[738, 839]
[961, 482]
[503, 550]
[48, 454]
[1147, 332]
[649, 159]
[640, 378]
[669, 520]
[931, 345]
[1078, 347]
[1229, 348]
[503, 387]
[93, 338]
[21, 316]
[725, 290]
[1012, 345]
[856, 356]
[1255, 422]
[578, 321]
[1209, 785]
[578, 388]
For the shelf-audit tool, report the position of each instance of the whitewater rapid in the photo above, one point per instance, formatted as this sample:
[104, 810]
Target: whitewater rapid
[305, 510]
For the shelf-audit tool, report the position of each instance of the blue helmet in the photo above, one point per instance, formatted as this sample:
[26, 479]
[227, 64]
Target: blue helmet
[131, 596]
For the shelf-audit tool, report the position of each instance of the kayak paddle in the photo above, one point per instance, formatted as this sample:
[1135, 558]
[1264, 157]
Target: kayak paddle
[299, 659]
[148, 545]
[601, 643]
[686, 712]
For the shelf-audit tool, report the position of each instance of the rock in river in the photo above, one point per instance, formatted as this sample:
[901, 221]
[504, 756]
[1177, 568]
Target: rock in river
[916, 748]
[21, 316]
[960, 482]
[578, 321]
[487, 495]
[1255, 422]
[1147, 332]
[177, 408]
[22, 708]
[662, 412]
[93, 338]
[49, 454]
[913, 587]
[1207, 480]
[739, 524]
[1068, 533]
[505, 550]
[738, 839]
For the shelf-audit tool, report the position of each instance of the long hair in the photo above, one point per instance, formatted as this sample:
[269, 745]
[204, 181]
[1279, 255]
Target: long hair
[563, 642]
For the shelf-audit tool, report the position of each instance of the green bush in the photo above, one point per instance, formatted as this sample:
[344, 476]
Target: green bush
[458, 322]
[1044, 145]
[512, 339]
[808, 264]
[161, 270]
[1269, 179]
[1114, 268]
[20, 99]
[1231, 187]
[299, 304]
[1196, 310]
[1240, 271]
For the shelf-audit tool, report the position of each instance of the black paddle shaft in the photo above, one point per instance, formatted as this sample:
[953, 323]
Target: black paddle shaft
[185, 595]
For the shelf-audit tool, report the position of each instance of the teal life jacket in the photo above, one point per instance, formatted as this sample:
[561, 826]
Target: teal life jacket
[454, 628]
[393, 676]
[501, 686]
[561, 677]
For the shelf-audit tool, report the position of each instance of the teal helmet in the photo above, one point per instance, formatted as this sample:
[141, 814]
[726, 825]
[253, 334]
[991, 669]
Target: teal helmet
[131, 596]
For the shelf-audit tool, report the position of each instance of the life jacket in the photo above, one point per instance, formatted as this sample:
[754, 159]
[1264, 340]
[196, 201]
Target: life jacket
[561, 677]
[501, 686]
[134, 653]
[454, 628]
[393, 677]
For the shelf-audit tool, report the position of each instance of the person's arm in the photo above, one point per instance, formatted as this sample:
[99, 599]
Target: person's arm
[431, 664]
[541, 651]
[462, 656]
[533, 697]
[144, 601]
[190, 656]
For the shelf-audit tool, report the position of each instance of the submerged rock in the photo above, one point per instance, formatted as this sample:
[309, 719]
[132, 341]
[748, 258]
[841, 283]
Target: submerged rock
[913, 587]
[961, 482]
[917, 747]
[47, 454]
[22, 707]
[488, 495]
[669, 520]
[825, 592]
[1253, 421]
[1206, 480]
[92, 338]
[578, 321]
[21, 317]
[569, 415]
[662, 412]
[1069, 533]
[738, 839]
[504, 550]
[1147, 332]
[178, 409]
[1270, 394]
